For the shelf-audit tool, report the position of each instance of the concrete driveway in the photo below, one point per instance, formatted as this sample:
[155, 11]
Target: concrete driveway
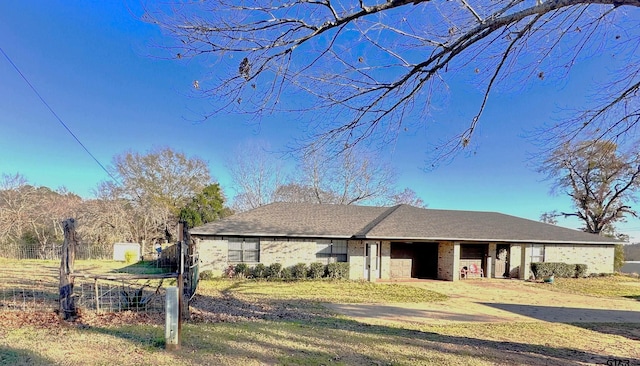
[497, 300]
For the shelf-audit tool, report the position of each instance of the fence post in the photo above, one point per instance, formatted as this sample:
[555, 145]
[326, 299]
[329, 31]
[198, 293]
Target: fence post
[172, 319]
[67, 305]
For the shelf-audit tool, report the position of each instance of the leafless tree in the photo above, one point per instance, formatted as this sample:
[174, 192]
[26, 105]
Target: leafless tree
[256, 173]
[409, 197]
[33, 214]
[374, 67]
[600, 180]
[550, 217]
[155, 185]
[356, 176]
[296, 192]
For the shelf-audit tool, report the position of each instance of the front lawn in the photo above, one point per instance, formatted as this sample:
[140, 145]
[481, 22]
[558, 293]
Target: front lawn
[284, 323]
[610, 286]
[323, 340]
[321, 291]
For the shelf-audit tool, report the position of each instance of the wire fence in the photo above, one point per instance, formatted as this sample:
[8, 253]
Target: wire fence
[115, 295]
[38, 292]
[33, 286]
[41, 294]
[53, 251]
[31, 279]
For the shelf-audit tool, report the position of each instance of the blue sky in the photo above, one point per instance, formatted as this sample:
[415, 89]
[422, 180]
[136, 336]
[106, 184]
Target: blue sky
[92, 62]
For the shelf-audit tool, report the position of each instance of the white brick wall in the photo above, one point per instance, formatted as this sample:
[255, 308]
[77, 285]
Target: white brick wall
[598, 258]
[287, 252]
[214, 254]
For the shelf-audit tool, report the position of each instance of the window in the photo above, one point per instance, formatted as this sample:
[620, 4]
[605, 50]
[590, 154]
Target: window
[537, 253]
[244, 250]
[329, 251]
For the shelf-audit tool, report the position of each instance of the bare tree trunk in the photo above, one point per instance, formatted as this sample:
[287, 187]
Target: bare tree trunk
[68, 309]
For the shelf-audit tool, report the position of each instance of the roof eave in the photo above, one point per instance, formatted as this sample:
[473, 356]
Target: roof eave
[272, 235]
[492, 240]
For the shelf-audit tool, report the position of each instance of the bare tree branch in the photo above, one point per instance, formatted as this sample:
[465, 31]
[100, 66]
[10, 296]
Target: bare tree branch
[372, 69]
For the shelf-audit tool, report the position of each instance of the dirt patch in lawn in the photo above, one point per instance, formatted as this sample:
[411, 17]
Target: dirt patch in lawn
[490, 300]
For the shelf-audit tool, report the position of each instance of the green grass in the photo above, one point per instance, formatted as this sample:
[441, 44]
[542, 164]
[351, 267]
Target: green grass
[323, 291]
[611, 286]
[44, 267]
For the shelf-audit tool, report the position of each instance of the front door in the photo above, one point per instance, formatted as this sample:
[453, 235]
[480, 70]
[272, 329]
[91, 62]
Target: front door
[372, 260]
[502, 260]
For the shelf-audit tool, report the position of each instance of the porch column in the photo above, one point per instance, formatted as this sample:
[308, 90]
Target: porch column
[525, 261]
[448, 261]
[491, 261]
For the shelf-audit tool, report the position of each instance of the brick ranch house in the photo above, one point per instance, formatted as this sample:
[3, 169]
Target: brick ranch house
[396, 242]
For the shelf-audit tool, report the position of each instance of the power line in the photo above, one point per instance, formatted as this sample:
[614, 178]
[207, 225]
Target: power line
[56, 115]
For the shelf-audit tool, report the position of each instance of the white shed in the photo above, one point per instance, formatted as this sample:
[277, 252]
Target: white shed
[119, 250]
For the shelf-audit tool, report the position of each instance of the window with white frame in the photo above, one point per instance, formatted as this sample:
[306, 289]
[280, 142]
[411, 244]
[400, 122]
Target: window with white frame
[245, 250]
[329, 251]
[537, 253]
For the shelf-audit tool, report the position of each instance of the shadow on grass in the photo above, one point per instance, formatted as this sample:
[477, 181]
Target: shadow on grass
[629, 330]
[625, 323]
[17, 356]
[225, 329]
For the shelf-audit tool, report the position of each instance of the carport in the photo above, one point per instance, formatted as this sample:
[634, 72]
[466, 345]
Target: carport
[414, 260]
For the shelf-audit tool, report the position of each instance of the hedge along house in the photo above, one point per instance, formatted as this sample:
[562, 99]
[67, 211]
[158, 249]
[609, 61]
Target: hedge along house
[398, 242]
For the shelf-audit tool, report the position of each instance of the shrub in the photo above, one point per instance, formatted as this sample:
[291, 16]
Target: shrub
[581, 270]
[299, 271]
[338, 270]
[242, 270]
[230, 272]
[260, 271]
[317, 270]
[274, 270]
[130, 256]
[564, 270]
[286, 274]
[206, 275]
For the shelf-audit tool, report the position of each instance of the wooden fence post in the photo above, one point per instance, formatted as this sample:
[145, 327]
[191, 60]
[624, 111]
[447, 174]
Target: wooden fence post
[67, 305]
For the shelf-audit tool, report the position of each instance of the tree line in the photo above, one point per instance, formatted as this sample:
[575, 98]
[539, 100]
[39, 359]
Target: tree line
[155, 190]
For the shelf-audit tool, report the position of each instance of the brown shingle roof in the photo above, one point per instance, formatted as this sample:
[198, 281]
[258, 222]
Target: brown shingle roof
[295, 219]
[402, 222]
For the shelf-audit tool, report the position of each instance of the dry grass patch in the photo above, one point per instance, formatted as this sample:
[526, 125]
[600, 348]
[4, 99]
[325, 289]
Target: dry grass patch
[320, 340]
[610, 286]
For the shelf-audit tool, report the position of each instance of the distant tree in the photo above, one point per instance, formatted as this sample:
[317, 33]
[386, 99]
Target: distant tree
[408, 196]
[600, 180]
[295, 192]
[353, 177]
[375, 67]
[33, 215]
[108, 219]
[156, 185]
[256, 173]
[550, 217]
[206, 206]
